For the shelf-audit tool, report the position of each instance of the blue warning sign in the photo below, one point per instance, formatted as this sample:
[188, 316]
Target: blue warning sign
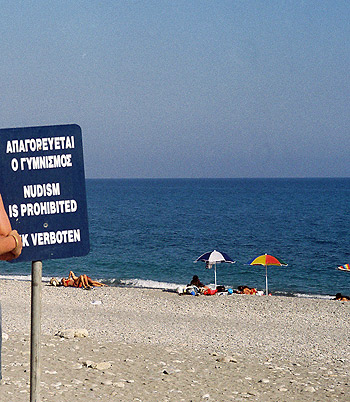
[42, 183]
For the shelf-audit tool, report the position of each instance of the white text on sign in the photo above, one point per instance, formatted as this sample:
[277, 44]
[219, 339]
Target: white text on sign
[43, 208]
[39, 144]
[45, 238]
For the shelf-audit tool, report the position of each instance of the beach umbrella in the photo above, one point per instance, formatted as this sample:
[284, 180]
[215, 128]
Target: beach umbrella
[266, 260]
[211, 258]
[345, 267]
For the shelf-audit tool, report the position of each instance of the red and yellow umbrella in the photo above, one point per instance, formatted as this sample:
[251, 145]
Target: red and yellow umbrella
[345, 267]
[266, 260]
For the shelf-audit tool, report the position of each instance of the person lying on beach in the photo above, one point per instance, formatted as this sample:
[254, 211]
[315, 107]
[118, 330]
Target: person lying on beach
[246, 290]
[341, 297]
[81, 281]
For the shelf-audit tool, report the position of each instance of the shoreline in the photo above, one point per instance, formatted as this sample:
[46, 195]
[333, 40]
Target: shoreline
[163, 286]
[296, 347]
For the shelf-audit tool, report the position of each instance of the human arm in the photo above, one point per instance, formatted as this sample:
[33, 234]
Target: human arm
[10, 240]
[10, 246]
[7, 244]
[5, 226]
[72, 276]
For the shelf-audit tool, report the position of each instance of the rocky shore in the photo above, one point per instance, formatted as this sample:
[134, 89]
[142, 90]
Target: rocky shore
[124, 344]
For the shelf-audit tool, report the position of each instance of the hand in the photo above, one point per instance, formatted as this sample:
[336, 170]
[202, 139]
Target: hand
[7, 256]
[18, 249]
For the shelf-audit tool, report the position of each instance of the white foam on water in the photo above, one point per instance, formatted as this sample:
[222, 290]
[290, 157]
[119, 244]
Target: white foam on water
[16, 277]
[143, 283]
[25, 278]
[308, 296]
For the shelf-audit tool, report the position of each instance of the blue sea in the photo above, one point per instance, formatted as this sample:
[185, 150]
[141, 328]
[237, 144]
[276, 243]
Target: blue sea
[148, 232]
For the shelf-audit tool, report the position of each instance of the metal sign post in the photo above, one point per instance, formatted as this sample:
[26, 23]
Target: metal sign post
[35, 332]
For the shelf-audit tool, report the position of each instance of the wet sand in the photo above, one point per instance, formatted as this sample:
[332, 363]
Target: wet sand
[150, 345]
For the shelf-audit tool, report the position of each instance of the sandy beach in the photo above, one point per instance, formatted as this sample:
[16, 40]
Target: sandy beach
[151, 345]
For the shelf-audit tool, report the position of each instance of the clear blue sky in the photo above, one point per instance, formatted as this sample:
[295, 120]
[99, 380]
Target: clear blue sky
[167, 88]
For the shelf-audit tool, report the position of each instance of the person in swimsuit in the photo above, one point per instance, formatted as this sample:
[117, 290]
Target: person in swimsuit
[81, 281]
[341, 297]
[246, 290]
[10, 247]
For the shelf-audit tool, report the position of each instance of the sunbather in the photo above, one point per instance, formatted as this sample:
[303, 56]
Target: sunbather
[81, 281]
[341, 297]
[246, 290]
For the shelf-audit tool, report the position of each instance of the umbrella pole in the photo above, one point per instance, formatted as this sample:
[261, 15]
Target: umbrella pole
[267, 289]
[215, 274]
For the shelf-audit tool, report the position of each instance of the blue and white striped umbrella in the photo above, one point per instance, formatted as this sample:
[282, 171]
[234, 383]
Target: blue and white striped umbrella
[211, 258]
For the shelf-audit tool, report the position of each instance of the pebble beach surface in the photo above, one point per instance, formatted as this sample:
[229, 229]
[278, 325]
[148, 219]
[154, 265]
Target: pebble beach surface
[127, 344]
